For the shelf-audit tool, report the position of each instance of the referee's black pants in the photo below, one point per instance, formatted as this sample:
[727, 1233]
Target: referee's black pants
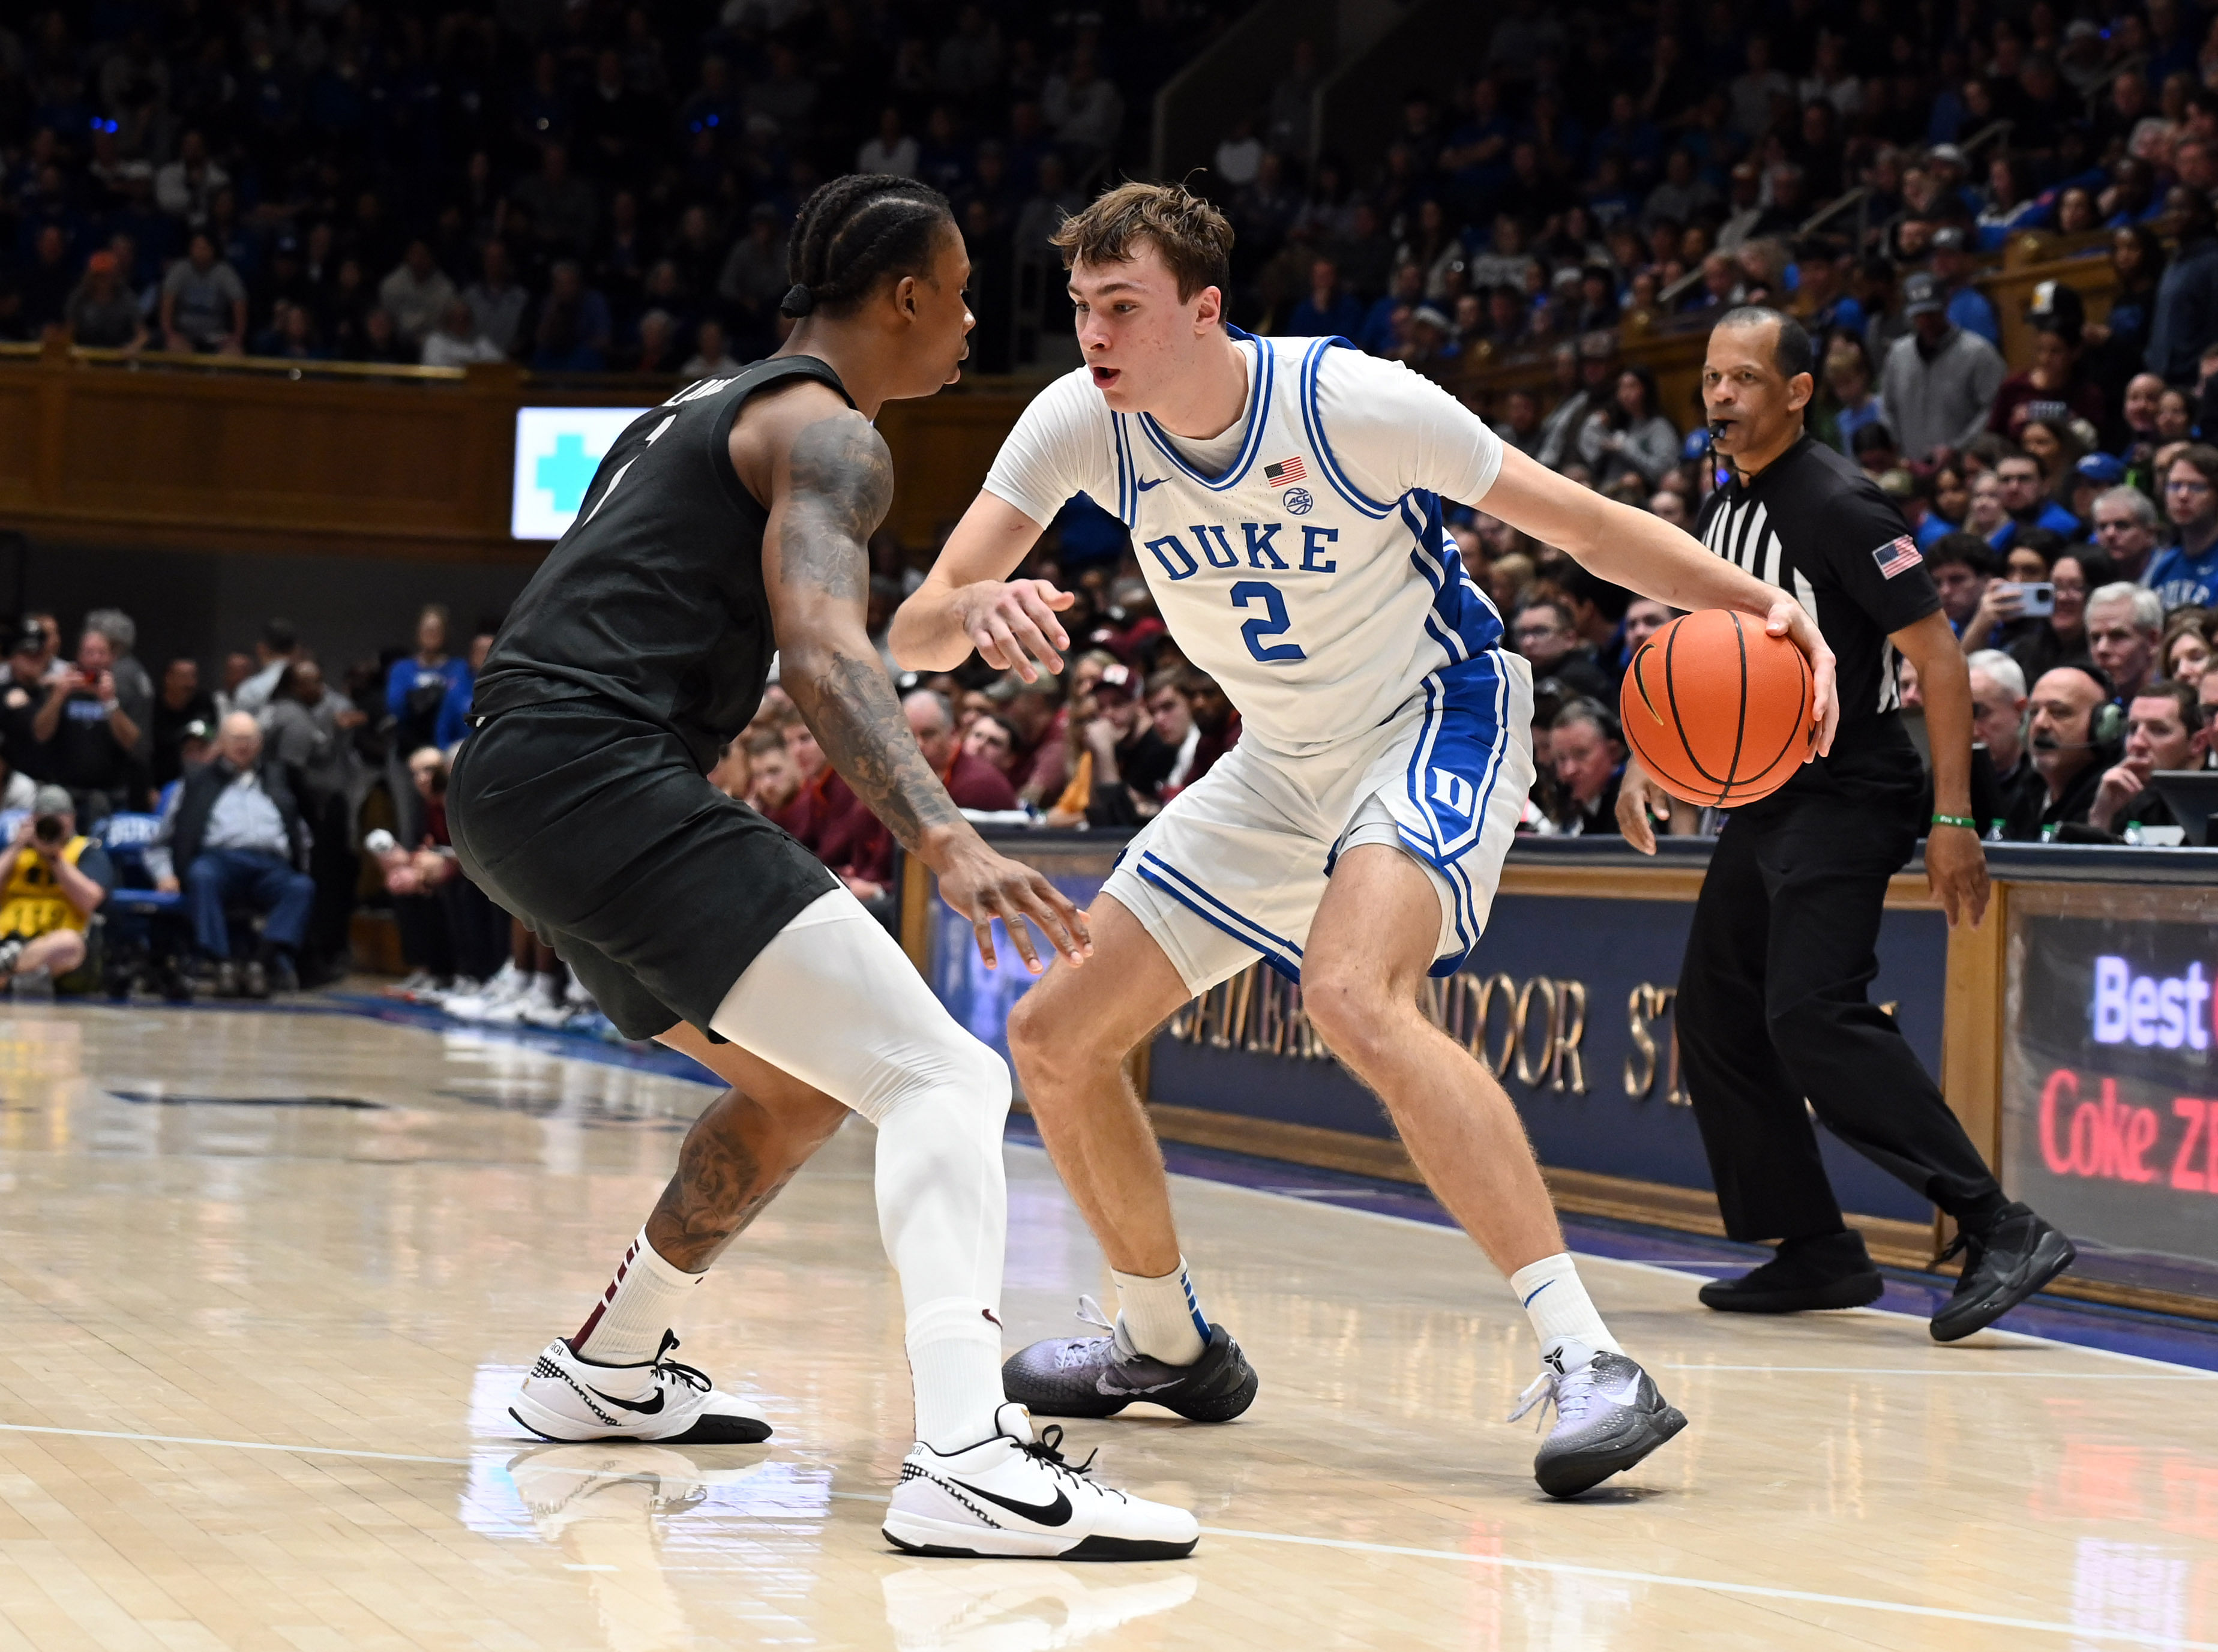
[1772, 1008]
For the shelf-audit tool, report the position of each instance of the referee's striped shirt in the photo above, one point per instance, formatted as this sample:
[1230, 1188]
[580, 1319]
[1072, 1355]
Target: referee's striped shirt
[1814, 525]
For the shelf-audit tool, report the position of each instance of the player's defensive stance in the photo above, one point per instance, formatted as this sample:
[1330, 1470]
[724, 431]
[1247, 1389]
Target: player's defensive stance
[728, 521]
[1284, 495]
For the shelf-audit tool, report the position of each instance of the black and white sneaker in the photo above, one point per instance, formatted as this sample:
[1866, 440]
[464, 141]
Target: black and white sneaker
[1608, 1416]
[2002, 1266]
[1013, 1496]
[566, 1398]
[1099, 1377]
[11, 954]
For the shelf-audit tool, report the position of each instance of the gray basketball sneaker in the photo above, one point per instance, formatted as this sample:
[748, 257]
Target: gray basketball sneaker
[1099, 1377]
[1608, 1417]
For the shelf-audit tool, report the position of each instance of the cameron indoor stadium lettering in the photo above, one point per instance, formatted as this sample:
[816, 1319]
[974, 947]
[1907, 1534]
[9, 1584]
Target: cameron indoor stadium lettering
[1534, 1030]
[2103, 1138]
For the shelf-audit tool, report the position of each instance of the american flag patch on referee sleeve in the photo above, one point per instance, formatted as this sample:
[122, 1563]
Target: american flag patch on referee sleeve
[1897, 556]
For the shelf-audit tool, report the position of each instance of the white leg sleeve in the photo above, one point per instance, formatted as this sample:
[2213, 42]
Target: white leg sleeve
[834, 1002]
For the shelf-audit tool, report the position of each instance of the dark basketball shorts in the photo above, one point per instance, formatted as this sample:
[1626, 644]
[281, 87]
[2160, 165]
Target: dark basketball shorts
[596, 830]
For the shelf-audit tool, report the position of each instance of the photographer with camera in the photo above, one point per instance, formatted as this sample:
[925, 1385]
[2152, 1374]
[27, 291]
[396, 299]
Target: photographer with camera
[55, 881]
[88, 739]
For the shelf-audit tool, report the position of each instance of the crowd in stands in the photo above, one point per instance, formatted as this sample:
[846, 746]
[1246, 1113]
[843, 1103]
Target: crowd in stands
[583, 188]
[258, 808]
[416, 184]
[232, 807]
[1860, 165]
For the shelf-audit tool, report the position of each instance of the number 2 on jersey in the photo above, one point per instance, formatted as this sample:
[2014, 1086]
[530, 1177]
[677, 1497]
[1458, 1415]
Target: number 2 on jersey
[1274, 624]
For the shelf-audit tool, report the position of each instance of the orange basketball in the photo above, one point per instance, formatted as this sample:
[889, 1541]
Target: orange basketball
[1717, 709]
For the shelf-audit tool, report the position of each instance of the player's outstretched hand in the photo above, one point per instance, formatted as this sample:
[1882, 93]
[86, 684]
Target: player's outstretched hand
[1789, 619]
[1012, 624]
[1640, 803]
[1956, 872]
[983, 886]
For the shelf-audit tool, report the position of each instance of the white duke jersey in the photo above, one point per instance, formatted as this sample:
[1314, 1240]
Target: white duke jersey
[1309, 576]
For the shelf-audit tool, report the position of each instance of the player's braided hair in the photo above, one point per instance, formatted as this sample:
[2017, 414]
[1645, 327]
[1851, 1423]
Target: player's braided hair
[855, 230]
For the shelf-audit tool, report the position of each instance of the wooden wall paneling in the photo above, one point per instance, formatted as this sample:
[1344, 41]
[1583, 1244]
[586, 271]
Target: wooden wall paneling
[1972, 1024]
[942, 447]
[21, 435]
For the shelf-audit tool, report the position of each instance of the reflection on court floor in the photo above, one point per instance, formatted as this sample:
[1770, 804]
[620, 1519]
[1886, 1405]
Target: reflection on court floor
[270, 1277]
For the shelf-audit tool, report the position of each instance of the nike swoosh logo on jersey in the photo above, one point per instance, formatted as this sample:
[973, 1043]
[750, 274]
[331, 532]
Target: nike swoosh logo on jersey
[1055, 1514]
[1158, 482]
[644, 1408]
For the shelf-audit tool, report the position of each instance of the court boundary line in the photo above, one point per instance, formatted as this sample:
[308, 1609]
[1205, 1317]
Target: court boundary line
[1757, 1591]
[1504, 1562]
[1681, 1271]
[2188, 1375]
[239, 1444]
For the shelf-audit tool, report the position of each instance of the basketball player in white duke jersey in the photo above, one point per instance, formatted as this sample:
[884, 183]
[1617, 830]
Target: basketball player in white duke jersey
[1283, 496]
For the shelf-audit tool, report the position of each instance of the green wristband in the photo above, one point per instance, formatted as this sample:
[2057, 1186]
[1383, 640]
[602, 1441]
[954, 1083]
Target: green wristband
[1965, 821]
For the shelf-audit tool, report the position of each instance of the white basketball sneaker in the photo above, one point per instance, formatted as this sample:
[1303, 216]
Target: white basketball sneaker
[1608, 1416]
[566, 1398]
[1013, 1496]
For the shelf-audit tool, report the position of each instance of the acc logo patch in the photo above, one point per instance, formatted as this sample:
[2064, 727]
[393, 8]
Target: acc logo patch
[1298, 501]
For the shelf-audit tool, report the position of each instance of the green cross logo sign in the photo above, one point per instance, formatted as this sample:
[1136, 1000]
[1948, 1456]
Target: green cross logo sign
[567, 472]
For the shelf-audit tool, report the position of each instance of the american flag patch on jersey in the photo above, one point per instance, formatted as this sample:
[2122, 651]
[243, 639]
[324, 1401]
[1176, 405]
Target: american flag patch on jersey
[1897, 556]
[1286, 471]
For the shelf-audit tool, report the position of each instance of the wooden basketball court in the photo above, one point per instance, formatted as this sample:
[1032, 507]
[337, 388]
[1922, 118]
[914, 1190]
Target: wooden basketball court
[269, 1277]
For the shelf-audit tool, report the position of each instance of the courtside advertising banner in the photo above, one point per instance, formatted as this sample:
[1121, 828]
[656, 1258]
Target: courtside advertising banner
[2109, 1100]
[557, 451]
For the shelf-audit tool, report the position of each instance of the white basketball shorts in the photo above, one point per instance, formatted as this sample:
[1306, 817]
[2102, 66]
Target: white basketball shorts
[1234, 867]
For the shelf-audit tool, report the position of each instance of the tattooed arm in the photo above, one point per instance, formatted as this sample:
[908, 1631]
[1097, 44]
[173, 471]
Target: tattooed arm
[830, 480]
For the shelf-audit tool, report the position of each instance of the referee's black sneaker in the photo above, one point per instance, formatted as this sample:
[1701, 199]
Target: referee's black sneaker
[2012, 1258]
[1099, 1377]
[1822, 1271]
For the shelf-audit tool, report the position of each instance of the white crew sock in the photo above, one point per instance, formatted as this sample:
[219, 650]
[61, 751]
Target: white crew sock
[641, 1303]
[1161, 1316]
[955, 1367]
[1558, 1304]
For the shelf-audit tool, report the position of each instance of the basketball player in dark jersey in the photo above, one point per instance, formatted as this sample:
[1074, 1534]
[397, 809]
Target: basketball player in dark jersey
[727, 522]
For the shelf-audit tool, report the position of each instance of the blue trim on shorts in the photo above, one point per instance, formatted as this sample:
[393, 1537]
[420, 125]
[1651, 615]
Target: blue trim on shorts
[1465, 734]
[1280, 954]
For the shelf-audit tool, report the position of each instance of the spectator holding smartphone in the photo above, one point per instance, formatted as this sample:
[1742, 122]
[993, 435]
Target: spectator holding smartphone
[88, 736]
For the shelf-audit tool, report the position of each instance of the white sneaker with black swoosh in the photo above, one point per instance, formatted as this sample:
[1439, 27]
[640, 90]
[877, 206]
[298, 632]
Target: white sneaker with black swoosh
[1013, 1496]
[566, 1398]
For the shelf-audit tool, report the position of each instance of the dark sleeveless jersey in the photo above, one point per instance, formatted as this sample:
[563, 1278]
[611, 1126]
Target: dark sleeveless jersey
[654, 600]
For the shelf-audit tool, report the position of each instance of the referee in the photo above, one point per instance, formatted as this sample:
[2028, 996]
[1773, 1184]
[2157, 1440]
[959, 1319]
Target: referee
[1772, 1005]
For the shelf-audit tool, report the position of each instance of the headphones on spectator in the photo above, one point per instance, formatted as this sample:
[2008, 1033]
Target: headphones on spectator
[2106, 723]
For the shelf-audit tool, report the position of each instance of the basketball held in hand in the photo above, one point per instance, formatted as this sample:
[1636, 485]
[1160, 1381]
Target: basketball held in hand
[1717, 709]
